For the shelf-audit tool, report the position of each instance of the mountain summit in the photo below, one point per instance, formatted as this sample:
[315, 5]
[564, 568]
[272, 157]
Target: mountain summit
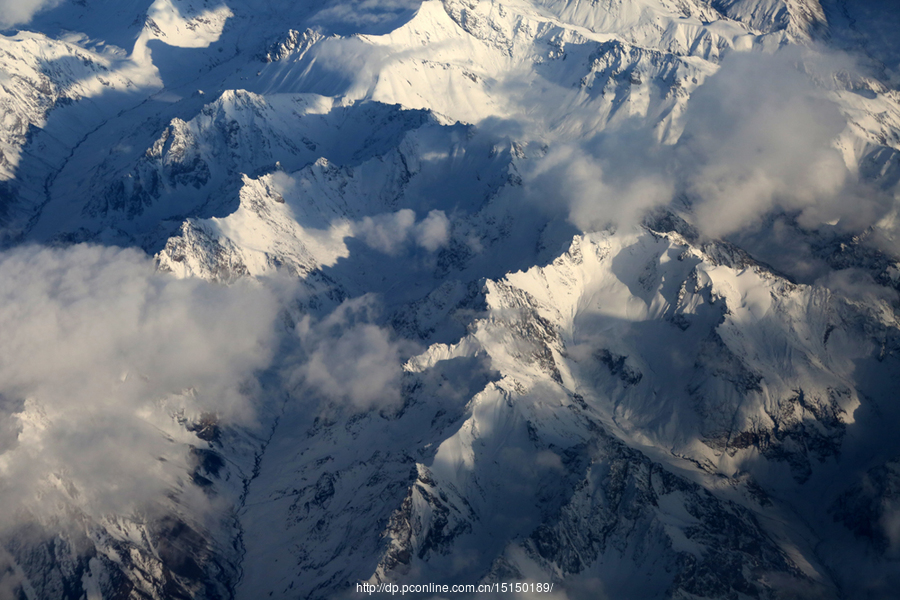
[541, 298]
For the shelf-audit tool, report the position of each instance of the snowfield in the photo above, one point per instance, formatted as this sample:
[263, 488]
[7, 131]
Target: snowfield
[300, 296]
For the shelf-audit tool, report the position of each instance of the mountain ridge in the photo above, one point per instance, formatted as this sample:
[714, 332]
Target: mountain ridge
[598, 294]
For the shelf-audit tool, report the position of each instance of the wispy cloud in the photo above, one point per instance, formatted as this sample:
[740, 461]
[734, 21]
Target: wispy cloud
[760, 136]
[348, 359]
[392, 232]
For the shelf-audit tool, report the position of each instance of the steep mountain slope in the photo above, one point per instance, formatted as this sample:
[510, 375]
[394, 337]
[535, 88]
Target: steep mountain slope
[625, 388]
[601, 294]
[41, 74]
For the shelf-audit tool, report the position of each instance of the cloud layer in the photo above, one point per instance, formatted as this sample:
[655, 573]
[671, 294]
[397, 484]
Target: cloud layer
[101, 357]
[760, 136]
[19, 12]
[346, 359]
[392, 232]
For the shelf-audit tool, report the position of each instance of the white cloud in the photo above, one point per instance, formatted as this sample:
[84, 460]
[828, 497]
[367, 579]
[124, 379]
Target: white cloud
[758, 136]
[387, 232]
[348, 360]
[433, 232]
[594, 190]
[19, 12]
[857, 285]
[99, 353]
[362, 13]
[392, 232]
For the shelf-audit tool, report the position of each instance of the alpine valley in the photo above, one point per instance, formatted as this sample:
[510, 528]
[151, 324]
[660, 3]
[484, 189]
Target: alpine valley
[297, 295]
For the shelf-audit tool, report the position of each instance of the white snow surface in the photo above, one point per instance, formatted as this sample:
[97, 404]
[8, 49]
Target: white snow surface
[508, 345]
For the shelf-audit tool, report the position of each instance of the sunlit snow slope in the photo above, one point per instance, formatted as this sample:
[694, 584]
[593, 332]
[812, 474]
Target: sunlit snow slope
[296, 296]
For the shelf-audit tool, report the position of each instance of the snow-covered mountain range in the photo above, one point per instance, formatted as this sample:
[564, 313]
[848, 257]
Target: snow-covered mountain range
[297, 296]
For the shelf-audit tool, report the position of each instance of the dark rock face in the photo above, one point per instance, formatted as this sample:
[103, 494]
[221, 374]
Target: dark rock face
[870, 508]
[621, 509]
[61, 565]
[617, 366]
